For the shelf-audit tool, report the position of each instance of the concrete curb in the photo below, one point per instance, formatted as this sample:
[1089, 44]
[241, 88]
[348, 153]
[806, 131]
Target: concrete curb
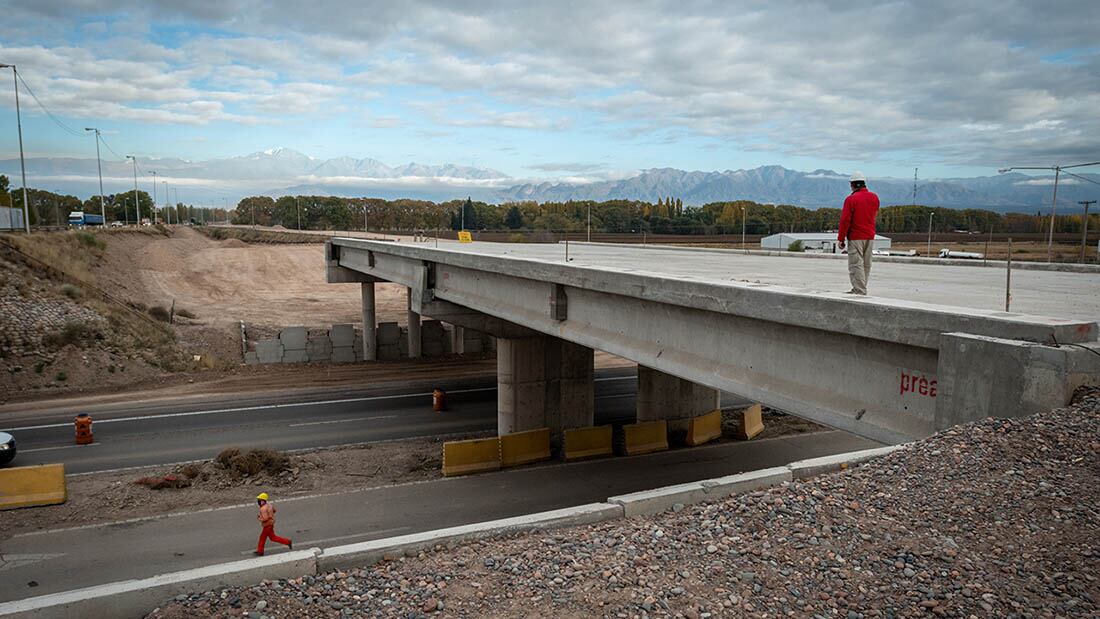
[366, 553]
[135, 598]
[659, 499]
[805, 469]
[1068, 267]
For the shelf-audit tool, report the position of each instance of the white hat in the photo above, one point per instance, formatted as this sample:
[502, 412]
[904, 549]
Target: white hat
[857, 176]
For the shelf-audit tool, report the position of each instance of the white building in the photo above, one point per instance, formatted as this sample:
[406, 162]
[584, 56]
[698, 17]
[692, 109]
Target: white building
[814, 241]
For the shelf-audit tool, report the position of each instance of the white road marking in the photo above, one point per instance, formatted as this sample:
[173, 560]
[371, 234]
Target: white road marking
[274, 406]
[27, 451]
[321, 423]
[380, 533]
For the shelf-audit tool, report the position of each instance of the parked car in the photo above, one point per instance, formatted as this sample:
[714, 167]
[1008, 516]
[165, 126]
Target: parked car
[116, 224]
[7, 448]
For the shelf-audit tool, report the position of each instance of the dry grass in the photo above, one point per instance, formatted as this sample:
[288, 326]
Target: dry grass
[252, 462]
[260, 236]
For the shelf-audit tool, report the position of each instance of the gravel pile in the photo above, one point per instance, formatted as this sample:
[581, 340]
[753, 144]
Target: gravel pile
[994, 519]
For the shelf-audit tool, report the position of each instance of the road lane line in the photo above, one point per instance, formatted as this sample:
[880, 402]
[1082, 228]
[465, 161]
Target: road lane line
[321, 423]
[241, 409]
[27, 451]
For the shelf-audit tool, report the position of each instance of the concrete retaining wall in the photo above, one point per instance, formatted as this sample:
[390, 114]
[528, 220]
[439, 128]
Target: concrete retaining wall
[135, 598]
[344, 344]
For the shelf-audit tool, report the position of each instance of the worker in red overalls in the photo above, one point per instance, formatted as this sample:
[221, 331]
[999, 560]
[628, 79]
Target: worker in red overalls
[267, 521]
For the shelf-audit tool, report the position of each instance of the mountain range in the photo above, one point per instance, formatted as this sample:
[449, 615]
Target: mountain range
[282, 171]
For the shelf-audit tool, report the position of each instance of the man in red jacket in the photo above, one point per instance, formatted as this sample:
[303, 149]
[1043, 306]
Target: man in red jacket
[857, 231]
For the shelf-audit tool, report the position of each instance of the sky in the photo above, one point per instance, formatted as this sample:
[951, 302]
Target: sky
[564, 89]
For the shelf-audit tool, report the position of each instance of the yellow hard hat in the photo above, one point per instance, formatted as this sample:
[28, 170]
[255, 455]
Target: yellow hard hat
[262, 496]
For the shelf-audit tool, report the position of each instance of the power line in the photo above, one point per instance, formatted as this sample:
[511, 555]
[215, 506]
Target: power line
[109, 147]
[55, 119]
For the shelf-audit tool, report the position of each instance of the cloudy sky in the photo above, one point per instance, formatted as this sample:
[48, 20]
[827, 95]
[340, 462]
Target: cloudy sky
[559, 89]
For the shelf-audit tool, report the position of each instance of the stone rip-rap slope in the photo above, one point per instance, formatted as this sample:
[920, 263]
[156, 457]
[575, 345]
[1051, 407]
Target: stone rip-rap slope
[994, 519]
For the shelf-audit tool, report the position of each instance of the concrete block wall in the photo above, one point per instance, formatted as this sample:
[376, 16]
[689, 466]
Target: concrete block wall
[344, 344]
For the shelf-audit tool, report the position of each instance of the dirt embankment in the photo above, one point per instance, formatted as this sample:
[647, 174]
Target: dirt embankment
[207, 285]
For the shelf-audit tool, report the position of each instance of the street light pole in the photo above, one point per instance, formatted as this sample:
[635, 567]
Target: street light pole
[167, 213]
[137, 205]
[19, 129]
[99, 165]
[743, 216]
[1085, 226]
[929, 252]
[298, 205]
[589, 222]
[154, 173]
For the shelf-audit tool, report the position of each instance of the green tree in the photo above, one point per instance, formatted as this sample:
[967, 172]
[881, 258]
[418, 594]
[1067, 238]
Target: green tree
[514, 218]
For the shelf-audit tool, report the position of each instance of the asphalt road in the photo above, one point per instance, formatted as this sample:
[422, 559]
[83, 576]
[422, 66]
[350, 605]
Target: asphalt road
[64, 559]
[149, 435]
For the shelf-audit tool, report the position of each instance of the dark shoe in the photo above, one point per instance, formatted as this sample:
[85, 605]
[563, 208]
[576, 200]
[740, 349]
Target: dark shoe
[290, 545]
[257, 553]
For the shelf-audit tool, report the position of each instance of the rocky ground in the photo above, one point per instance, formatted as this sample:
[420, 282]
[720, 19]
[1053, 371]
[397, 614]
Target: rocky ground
[995, 519]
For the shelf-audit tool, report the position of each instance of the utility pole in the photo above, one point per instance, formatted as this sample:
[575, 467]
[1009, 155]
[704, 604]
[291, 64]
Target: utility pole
[99, 165]
[589, 222]
[298, 205]
[137, 205]
[167, 213]
[19, 128]
[1085, 226]
[154, 172]
[176, 196]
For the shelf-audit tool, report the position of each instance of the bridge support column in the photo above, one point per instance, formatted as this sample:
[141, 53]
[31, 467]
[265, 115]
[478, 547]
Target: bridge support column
[544, 382]
[458, 345]
[370, 344]
[668, 397]
[414, 327]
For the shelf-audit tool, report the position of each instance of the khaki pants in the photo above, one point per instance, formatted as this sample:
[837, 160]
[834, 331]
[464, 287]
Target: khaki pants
[859, 264]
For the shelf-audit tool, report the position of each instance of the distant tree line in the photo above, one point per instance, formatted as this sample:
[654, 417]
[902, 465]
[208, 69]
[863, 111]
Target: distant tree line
[666, 216]
[52, 209]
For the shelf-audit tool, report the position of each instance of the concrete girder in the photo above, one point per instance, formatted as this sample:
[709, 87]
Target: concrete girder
[465, 317]
[905, 322]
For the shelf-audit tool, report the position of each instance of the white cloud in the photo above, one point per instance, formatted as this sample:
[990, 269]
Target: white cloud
[934, 80]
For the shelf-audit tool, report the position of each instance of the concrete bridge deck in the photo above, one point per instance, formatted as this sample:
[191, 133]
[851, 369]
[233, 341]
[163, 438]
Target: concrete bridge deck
[777, 330]
[1057, 294]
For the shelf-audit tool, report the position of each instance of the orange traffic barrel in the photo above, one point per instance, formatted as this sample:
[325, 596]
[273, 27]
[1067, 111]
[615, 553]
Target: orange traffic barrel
[83, 424]
[439, 400]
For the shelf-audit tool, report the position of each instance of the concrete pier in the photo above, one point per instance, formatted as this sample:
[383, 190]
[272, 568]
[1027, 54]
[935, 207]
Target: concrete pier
[414, 329]
[459, 336]
[370, 342]
[674, 399]
[543, 382]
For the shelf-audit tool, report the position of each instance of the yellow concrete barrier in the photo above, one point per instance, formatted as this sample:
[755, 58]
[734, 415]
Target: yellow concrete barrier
[472, 456]
[751, 423]
[704, 428]
[646, 437]
[28, 486]
[590, 442]
[525, 447]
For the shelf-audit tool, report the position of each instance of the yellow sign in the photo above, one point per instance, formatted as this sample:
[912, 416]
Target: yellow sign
[464, 237]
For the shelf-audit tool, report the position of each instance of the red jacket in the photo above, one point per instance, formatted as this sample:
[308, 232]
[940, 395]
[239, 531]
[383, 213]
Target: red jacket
[857, 220]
